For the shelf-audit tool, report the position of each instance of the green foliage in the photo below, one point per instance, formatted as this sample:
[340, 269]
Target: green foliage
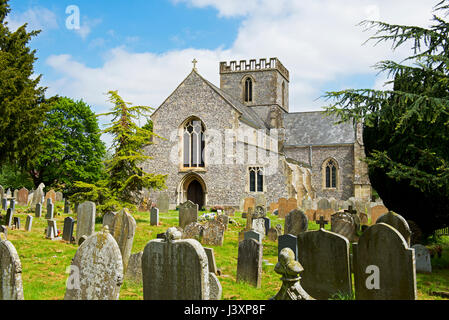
[72, 148]
[12, 177]
[22, 107]
[406, 132]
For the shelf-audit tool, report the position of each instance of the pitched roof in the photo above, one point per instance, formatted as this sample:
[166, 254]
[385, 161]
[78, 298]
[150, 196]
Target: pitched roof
[315, 128]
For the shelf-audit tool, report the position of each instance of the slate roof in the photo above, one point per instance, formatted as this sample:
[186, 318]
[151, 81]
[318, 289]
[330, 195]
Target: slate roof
[315, 128]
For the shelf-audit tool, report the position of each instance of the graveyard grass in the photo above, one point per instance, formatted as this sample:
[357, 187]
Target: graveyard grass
[44, 262]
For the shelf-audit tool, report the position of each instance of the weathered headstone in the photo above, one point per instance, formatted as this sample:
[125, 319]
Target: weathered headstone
[215, 288]
[52, 229]
[288, 241]
[249, 203]
[249, 262]
[17, 223]
[252, 234]
[11, 268]
[96, 270]
[343, 223]
[274, 206]
[193, 231]
[267, 223]
[22, 197]
[377, 212]
[174, 269]
[38, 211]
[123, 233]
[59, 196]
[154, 216]
[325, 258]
[273, 234]
[224, 219]
[12, 205]
[384, 265]
[188, 213]
[258, 225]
[4, 204]
[229, 211]
[296, 222]
[9, 218]
[38, 194]
[108, 220]
[211, 260]
[163, 202]
[50, 209]
[51, 195]
[422, 256]
[67, 231]
[85, 224]
[66, 206]
[28, 223]
[283, 208]
[213, 233]
[134, 271]
[398, 222]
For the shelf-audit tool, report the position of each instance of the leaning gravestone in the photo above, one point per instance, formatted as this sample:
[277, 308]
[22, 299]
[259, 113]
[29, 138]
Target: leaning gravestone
[288, 241]
[398, 222]
[163, 202]
[213, 233]
[188, 213]
[96, 270]
[422, 256]
[174, 269]
[249, 262]
[52, 229]
[11, 272]
[296, 222]
[154, 216]
[123, 233]
[384, 265]
[343, 224]
[325, 258]
[67, 231]
[211, 260]
[108, 220]
[22, 197]
[85, 224]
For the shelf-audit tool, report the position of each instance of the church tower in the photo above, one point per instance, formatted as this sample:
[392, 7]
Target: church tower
[260, 85]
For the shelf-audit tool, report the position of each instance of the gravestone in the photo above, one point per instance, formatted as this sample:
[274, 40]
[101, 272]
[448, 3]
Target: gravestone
[38, 211]
[51, 195]
[188, 213]
[260, 201]
[288, 241]
[108, 220]
[12, 205]
[211, 260]
[249, 262]
[163, 202]
[213, 233]
[252, 234]
[267, 223]
[174, 269]
[343, 224]
[85, 224]
[123, 233]
[52, 229]
[4, 204]
[249, 203]
[154, 216]
[9, 218]
[324, 256]
[17, 223]
[324, 209]
[274, 206]
[59, 196]
[66, 206]
[398, 222]
[22, 197]
[215, 288]
[96, 269]
[296, 222]
[28, 223]
[224, 219]
[259, 212]
[134, 271]
[15, 194]
[193, 231]
[273, 234]
[38, 194]
[283, 208]
[11, 269]
[258, 225]
[422, 256]
[67, 231]
[384, 265]
[376, 212]
[50, 209]
[229, 211]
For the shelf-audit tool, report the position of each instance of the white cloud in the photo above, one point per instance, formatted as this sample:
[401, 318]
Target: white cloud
[38, 18]
[86, 26]
[318, 41]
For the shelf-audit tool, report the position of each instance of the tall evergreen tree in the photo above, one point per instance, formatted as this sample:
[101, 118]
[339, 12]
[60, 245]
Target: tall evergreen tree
[406, 129]
[22, 107]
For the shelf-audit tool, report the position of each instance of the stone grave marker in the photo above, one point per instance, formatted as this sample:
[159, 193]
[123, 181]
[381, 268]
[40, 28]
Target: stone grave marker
[38, 211]
[123, 233]
[422, 256]
[213, 233]
[188, 213]
[376, 212]
[273, 234]
[59, 196]
[12, 205]
[249, 262]
[274, 206]
[258, 225]
[259, 212]
[97, 269]
[252, 234]
[85, 224]
[108, 220]
[384, 265]
[22, 197]
[28, 223]
[193, 231]
[288, 241]
[38, 194]
[283, 208]
[15, 193]
[52, 229]
[249, 203]
[296, 222]
[154, 216]
[134, 271]
[224, 219]
[67, 231]
[215, 288]
[50, 210]
[4, 204]
[211, 260]
[163, 202]
[260, 201]
[66, 206]
[17, 223]
[267, 223]
[229, 211]
[9, 218]
[343, 223]
[325, 258]
[51, 195]
[174, 269]
[398, 222]
[324, 209]
[11, 279]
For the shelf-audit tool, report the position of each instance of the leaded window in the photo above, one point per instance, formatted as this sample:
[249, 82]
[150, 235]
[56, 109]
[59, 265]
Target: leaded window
[194, 144]
[256, 179]
[331, 174]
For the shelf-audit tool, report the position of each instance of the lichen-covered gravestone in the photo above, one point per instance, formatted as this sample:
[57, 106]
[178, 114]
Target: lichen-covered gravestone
[288, 241]
[213, 233]
[85, 224]
[11, 272]
[188, 213]
[384, 265]
[108, 220]
[193, 231]
[163, 202]
[22, 197]
[97, 269]
[38, 194]
[325, 258]
[249, 262]
[398, 222]
[343, 223]
[134, 270]
[174, 269]
[296, 222]
[258, 225]
[124, 231]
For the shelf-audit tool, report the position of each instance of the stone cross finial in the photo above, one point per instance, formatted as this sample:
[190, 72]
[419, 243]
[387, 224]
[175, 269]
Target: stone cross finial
[194, 64]
[322, 222]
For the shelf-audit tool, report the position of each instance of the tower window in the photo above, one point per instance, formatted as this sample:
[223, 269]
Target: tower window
[256, 179]
[283, 94]
[248, 90]
[193, 144]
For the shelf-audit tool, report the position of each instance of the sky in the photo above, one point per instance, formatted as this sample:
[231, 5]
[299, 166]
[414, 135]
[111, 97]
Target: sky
[144, 49]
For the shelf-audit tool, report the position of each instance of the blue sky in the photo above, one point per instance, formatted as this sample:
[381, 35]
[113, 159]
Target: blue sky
[144, 48]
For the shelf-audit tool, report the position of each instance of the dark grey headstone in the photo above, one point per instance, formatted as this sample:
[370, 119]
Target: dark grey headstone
[249, 262]
[4, 204]
[12, 204]
[288, 241]
[267, 224]
[29, 222]
[67, 232]
[296, 222]
[50, 210]
[38, 211]
[154, 216]
[253, 235]
[66, 206]
[9, 218]
[17, 223]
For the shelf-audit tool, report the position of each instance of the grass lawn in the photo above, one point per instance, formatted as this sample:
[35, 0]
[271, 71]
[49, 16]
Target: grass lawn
[44, 262]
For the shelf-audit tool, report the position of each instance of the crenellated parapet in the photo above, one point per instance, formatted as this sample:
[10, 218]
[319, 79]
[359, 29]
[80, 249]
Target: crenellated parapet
[254, 65]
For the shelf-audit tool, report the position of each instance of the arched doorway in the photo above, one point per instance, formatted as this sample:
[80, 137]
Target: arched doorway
[195, 193]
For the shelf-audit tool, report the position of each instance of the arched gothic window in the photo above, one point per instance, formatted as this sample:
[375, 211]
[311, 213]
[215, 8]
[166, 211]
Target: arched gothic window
[331, 172]
[193, 136]
[248, 90]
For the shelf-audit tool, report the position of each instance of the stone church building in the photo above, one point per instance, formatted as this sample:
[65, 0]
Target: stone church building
[218, 146]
